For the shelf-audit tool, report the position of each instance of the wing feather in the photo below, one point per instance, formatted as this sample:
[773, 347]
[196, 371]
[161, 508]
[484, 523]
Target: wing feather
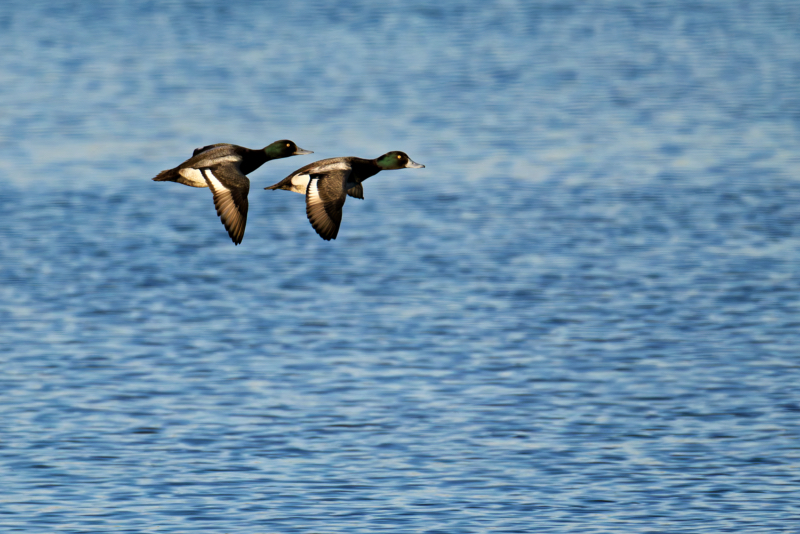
[357, 191]
[325, 197]
[231, 203]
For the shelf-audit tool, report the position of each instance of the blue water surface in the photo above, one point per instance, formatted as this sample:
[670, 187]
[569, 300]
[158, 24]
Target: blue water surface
[583, 316]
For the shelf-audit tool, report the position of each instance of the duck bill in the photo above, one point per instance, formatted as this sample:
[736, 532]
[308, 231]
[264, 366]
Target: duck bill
[414, 165]
[300, 152]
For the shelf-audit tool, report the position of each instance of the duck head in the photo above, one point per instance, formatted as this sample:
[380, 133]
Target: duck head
[283, 149]
[397, 160]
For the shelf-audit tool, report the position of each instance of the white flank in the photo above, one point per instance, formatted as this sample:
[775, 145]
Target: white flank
[193, 176]
[300, 183]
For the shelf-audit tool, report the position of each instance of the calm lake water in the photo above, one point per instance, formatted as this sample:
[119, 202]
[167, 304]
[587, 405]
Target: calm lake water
[583, 316]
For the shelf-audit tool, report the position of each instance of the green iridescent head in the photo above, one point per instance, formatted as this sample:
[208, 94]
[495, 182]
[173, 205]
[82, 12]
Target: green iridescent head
[283, 149]
[397, 160]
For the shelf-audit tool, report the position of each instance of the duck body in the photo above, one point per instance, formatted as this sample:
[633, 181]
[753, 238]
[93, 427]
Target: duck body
[327, 183]
[223, 168]
[188, 172]
[357, 170]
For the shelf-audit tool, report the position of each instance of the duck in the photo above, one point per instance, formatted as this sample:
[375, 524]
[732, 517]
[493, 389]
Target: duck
[327, 183]
[223, 168]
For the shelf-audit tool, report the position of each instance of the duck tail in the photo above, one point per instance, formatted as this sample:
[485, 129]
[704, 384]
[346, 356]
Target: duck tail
[167, 176]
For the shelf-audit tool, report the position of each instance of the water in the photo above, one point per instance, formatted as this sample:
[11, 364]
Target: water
[581, 316]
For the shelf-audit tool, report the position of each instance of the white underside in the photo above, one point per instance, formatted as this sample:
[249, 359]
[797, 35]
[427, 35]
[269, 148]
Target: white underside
[300, 183]
[194, 176]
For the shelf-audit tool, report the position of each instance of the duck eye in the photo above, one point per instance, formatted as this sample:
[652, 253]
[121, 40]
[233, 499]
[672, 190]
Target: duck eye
[288, 144]
[399, 156]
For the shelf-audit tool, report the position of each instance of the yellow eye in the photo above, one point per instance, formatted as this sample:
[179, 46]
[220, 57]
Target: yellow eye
[288, 144]
[399, 157]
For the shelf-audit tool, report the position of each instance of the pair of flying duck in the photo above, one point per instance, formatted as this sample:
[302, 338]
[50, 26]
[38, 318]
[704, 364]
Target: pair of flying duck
[223, 168]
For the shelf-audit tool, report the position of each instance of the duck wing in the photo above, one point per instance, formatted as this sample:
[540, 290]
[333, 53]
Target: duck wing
[298, 180]
[208, 147]
[189, 172]
[325, 197]
[213, 155]
[230, 188]
[357, 191]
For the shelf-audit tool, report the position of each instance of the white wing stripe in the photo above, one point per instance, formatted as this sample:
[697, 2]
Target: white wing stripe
[216, 185]
[313, 192]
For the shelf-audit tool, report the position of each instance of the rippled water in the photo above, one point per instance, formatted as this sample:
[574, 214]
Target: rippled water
[581, 316]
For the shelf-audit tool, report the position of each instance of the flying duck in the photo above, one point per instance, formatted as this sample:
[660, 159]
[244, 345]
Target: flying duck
[223, 168]
[326, 184]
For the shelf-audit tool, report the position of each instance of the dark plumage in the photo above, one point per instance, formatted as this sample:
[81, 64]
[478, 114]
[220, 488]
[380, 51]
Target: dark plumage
[223, 168]
[326, 184]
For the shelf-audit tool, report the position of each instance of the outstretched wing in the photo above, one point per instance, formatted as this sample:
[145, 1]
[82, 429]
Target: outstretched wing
[325, 197]
[230, 188]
